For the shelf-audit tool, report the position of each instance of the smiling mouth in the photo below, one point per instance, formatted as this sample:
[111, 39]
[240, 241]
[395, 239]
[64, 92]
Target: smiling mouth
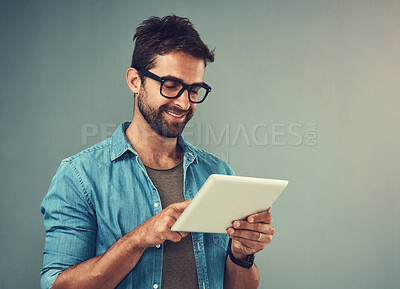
[175, 114]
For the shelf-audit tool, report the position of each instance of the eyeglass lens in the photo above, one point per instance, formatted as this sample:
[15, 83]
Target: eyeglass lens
[171, 88]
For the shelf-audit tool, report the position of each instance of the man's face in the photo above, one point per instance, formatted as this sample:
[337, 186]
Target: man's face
[168, 117]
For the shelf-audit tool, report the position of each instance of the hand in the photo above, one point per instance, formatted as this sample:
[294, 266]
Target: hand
[157, 229]
[251, 235]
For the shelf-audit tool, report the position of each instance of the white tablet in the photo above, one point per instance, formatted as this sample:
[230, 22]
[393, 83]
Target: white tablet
[223, 199]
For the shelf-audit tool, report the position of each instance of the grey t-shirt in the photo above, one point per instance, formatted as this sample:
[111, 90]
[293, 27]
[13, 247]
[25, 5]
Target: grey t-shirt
[179, 264]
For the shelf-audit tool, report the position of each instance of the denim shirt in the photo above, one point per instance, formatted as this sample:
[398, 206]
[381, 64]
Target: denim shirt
[102, 193]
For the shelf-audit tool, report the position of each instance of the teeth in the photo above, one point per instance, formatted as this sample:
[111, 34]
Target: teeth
[176, 115]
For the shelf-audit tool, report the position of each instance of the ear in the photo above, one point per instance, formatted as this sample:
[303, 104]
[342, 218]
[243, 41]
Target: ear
[133, 80]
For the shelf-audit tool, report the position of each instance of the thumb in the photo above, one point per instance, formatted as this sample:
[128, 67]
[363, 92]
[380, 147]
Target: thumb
[182, 205]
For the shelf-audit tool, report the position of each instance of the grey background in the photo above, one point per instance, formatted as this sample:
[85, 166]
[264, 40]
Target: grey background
[280, 66]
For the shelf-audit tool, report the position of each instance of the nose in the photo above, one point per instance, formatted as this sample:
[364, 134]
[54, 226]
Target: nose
[183, 100]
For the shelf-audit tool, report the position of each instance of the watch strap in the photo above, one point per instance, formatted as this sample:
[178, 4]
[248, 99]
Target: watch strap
[245, 264]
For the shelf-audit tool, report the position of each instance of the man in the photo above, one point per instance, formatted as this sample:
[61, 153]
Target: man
[110, 208]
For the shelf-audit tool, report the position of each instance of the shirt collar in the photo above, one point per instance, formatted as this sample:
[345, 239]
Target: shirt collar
[189, 151]
[120, 144]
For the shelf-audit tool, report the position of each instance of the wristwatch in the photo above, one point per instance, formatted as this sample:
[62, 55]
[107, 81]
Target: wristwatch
[249, 262]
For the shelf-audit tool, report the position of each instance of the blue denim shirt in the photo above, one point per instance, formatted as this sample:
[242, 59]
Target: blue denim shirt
[102, 193]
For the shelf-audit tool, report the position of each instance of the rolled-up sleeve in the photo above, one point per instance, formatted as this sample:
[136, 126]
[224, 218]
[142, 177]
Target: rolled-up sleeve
[70, 224]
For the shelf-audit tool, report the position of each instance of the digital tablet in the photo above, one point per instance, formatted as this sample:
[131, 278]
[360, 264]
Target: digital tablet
[223, 199]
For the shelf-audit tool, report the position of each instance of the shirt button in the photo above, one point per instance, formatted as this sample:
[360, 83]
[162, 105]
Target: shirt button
[156, 206]
[155, 286]
[158, 246]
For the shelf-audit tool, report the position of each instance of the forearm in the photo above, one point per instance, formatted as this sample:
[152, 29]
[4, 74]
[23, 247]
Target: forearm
[106, 270]
[238, 277]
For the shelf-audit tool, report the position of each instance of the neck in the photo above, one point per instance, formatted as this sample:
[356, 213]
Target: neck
[154, 150]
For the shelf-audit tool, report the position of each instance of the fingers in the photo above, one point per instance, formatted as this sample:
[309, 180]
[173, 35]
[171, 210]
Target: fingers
[176, 209]
[181, 206]
[163, 229]
[157, 229]
[254, 244]
[248, 242]
[261, 217]
[264, 229]
[176, 236]
[251, 228]
[251, 234]
[257, 227]
[172, 213]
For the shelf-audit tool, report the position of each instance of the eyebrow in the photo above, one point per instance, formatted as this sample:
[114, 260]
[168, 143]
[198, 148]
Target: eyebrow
[170, 77]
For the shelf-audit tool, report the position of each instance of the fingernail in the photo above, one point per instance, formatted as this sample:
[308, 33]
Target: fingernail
[236, 224]
[251, 219]
[231, 231]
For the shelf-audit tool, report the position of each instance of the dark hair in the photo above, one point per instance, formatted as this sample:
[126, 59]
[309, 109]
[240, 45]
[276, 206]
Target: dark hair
[158, 36]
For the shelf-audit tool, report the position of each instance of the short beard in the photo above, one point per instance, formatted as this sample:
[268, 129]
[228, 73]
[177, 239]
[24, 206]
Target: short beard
[156, 118]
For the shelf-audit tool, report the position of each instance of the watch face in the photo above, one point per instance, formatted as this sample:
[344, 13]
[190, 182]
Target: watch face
[250, 259]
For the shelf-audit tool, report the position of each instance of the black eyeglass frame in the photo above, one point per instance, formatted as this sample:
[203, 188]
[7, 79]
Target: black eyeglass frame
[185, 86]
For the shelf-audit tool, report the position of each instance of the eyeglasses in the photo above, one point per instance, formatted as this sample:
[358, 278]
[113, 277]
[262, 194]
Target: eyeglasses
[173, 88]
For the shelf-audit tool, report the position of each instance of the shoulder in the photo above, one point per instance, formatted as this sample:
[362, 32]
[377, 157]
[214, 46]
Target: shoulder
[100, 149]
[85, 166]
[71, 182]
